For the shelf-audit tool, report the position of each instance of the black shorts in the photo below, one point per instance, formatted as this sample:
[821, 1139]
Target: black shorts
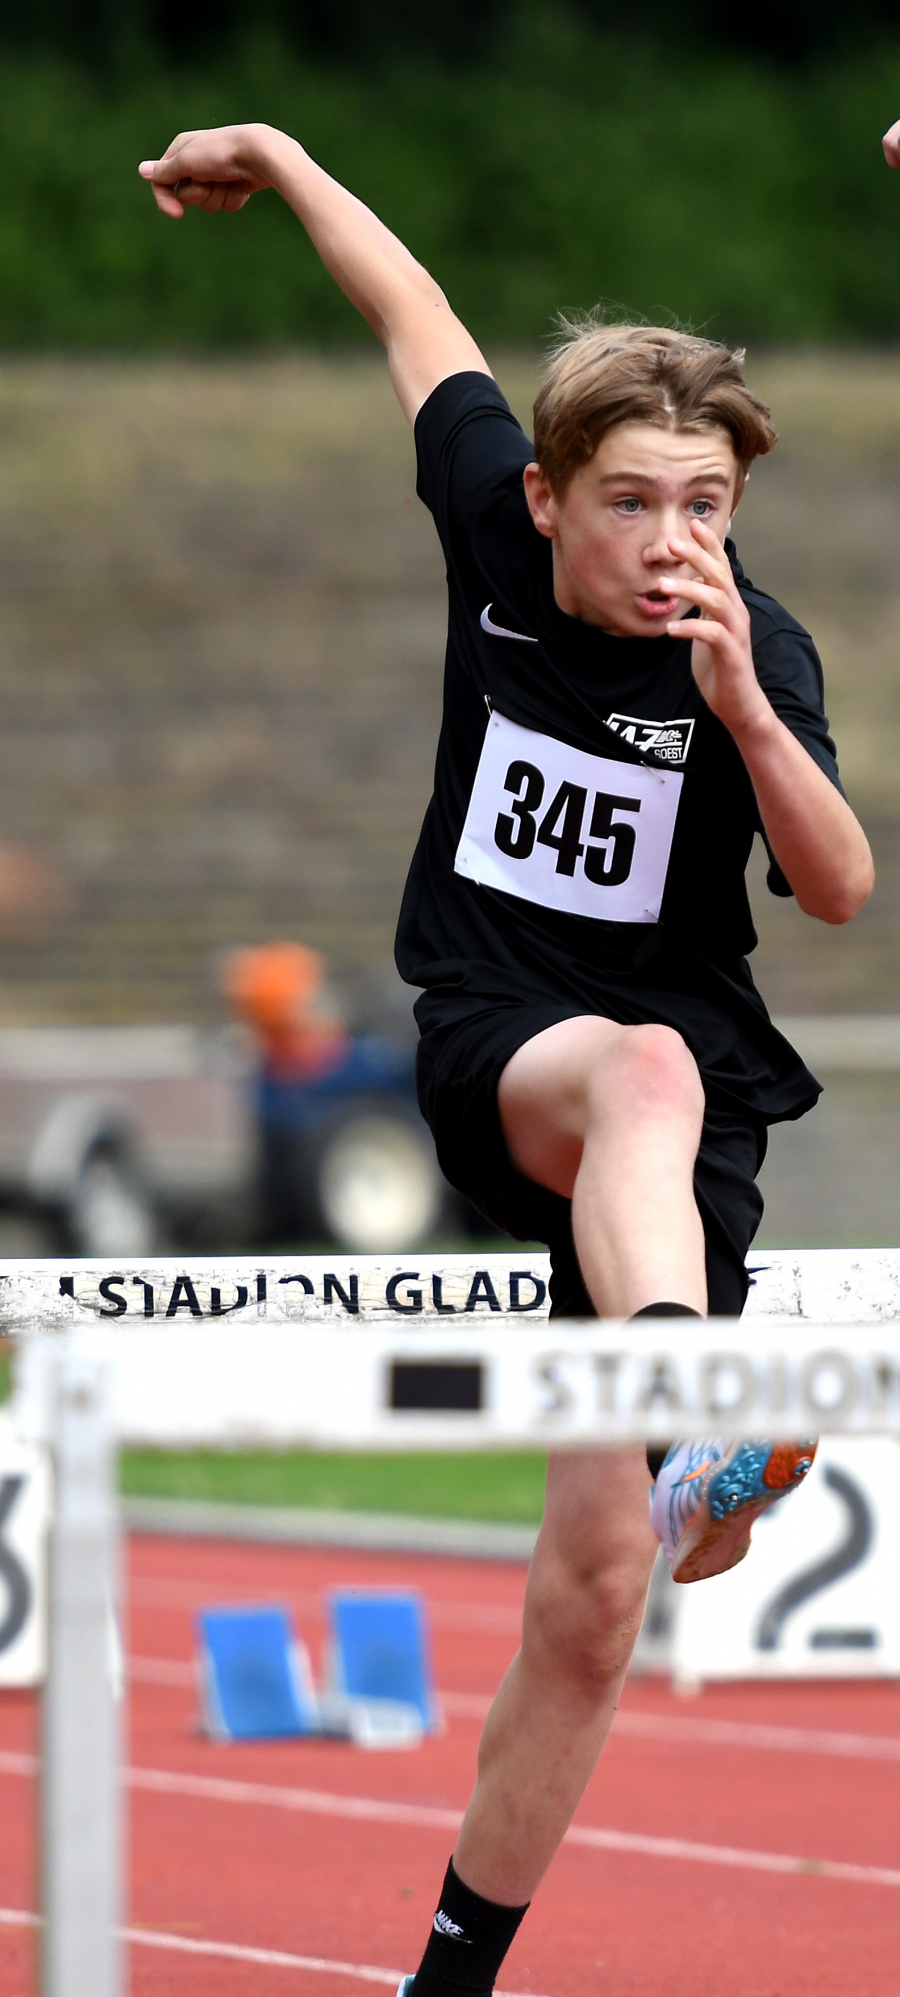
[458, 1069]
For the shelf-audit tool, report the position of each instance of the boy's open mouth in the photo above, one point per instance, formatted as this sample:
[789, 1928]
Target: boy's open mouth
[658, 603]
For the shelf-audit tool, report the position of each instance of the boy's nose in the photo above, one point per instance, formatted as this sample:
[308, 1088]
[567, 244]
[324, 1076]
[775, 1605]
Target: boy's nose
[666, 528]
[657, 555]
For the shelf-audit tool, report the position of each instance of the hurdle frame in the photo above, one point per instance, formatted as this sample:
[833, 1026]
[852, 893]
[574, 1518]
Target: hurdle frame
[82, 1819]
[83, 1326]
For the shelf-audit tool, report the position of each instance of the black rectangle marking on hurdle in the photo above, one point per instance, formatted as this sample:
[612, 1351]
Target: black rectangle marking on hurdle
[437, 1386]
[844, 1639]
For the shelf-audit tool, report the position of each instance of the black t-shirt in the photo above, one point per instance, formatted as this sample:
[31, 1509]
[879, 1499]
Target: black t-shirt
[514, 877]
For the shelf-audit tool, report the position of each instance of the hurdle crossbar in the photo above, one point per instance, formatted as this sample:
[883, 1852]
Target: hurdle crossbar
[827, 1286]
[455, 1353]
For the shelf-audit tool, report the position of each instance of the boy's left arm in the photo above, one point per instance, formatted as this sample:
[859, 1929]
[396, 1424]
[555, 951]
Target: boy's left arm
[818, 843]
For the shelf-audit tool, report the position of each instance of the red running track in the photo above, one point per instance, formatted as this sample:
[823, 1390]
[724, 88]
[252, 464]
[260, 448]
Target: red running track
[744, 1843]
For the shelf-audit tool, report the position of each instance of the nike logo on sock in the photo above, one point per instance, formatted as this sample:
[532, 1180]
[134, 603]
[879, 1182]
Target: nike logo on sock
[498, 631]
[443, 1925]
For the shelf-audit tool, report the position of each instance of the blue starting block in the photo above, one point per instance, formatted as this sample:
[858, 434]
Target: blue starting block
[255, 1677]
[381, 1661]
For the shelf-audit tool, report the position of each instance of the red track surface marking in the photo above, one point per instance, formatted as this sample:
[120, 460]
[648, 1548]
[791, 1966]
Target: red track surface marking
[664, 1901]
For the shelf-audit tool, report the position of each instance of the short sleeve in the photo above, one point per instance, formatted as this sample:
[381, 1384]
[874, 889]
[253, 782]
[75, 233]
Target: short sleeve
[470, 449]
[789, 671]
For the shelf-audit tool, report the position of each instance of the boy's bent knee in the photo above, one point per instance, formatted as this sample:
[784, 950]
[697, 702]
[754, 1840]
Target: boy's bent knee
[654, 1072]
[583, 1627]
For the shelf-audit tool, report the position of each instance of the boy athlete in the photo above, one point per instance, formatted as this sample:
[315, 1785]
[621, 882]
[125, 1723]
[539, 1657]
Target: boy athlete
[623, 712]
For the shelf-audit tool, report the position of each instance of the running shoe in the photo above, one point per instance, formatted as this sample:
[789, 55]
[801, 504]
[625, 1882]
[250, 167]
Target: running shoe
[708, 1494]
[406, 1984]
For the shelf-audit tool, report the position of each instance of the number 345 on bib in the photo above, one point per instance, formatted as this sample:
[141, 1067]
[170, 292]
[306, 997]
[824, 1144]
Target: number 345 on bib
[583, 834]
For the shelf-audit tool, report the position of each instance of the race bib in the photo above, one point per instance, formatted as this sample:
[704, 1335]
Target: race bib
[566, 829]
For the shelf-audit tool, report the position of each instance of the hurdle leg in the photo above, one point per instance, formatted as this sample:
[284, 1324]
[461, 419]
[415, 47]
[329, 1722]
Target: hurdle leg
[81, 1814]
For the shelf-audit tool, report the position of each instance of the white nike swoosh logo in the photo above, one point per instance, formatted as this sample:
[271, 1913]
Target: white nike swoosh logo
[497, 630]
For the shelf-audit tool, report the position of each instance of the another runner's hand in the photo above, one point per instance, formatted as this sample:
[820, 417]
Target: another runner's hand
[721, 653]
[216, 170]
[891, 144]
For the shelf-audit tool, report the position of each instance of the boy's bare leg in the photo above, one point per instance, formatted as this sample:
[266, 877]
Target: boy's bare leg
[547, 1725]
[610, 1117]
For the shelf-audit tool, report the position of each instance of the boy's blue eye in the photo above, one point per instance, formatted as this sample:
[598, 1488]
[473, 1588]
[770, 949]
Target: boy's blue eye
[630, 505]
[701, 507]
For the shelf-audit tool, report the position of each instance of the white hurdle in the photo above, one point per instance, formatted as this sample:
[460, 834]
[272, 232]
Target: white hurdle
[434, 1351]
[81, 1816]
[454, 1352]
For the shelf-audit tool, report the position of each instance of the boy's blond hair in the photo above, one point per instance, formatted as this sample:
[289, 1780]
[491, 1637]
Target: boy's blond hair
[600, 376]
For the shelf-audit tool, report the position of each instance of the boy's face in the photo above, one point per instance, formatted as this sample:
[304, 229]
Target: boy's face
[613, 527]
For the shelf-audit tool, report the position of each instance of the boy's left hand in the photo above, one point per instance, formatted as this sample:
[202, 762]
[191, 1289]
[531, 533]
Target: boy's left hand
[891, 144]
[721, 653]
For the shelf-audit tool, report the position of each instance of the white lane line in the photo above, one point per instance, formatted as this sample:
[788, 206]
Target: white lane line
[754, 1734]
[161, 1671]
[716, 1733]
[466, 1705]
[425, 1816]
[311, 1802]
[18, 1764]
[148, 1592]
[266, 1958]
[652, 1726]
[723, 1854]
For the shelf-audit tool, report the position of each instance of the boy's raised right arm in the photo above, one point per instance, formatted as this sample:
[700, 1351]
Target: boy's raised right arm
[218, 171]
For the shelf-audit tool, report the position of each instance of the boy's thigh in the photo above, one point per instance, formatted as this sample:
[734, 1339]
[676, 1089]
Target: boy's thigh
[550, 1070]
[459, 1072]
[587, 1066]
[730, 1204]
[542, 1096]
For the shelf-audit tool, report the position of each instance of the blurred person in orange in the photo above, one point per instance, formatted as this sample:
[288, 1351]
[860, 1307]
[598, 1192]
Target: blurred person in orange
[278, 990]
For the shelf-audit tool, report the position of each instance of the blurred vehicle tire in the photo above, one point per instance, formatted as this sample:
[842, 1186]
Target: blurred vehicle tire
[370, 1181]
[108, 1212]
[27, 1235]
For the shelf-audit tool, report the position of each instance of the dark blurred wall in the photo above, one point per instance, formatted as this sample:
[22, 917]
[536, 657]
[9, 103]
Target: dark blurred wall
[455, 30]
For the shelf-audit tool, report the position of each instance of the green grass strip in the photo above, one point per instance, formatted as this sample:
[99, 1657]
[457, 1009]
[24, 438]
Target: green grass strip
[507, 1487]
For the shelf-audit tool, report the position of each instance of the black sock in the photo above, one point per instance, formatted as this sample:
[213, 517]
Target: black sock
[468, 1941]
[656, 1453]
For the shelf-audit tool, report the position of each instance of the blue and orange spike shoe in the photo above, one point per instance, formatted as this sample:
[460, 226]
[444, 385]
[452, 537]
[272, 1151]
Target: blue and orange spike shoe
[405, 1986]
[708, 1495]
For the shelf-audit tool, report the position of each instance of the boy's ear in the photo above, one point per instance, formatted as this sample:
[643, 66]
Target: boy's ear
[541, 501]
[739, 489]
